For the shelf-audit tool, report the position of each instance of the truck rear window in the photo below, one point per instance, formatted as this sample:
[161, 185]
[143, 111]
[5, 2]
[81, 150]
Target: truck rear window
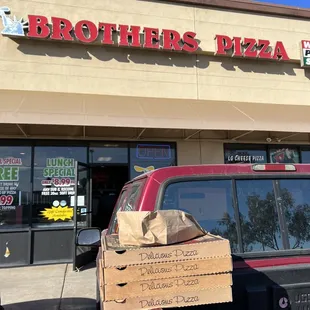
[255, 215]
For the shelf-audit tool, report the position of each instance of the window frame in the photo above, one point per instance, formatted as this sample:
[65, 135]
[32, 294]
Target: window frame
[233, 179]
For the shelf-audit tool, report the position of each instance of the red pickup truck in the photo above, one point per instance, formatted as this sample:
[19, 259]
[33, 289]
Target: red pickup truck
[263, 209]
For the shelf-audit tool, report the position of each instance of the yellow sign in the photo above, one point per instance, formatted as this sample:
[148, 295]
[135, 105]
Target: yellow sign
[7, 251]
[58, 213]
[144, 170]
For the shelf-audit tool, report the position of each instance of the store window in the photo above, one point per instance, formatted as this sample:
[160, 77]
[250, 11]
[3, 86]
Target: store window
[211, 204]
[305, 156]
[113, 153]
[145, 157]
[245, 154]
[284, 155]
[54, 177]
[15, 188]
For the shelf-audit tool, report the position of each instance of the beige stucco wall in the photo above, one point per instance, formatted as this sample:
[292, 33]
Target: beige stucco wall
[79, 69]
[200, 152]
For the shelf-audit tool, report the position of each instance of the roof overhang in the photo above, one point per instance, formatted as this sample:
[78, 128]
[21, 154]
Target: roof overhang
[43, 108]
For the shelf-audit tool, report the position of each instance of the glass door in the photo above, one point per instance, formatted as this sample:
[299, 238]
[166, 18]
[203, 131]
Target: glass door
[82, 214]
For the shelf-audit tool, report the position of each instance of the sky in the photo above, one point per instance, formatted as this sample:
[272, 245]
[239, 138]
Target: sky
[298, 3]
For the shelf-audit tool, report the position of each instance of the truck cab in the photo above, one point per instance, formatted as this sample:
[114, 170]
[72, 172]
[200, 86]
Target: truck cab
[262, 209]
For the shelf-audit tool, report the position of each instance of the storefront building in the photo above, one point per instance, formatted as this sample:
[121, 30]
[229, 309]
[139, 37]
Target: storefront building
[95, 93]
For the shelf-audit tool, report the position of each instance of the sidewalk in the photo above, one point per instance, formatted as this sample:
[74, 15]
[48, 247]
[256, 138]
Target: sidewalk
[54, 287]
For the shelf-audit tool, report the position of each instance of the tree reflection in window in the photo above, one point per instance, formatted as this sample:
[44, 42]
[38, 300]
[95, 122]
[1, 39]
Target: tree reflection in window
[260, 224]
[297, 211]
[228, 230]
[210, 202]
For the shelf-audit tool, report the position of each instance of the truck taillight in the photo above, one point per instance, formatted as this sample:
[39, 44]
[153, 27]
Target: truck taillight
[274, 167]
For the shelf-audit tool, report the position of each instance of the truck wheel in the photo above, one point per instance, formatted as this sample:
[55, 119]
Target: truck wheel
[98, 307]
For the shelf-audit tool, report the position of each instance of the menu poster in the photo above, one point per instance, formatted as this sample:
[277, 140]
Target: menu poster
[284, 155]
[9, 182]
[59, 177]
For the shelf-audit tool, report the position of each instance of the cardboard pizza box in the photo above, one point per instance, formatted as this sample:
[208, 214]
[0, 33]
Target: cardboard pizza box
[131, 273]
[208, 246]
[192, 298]
[166, 286]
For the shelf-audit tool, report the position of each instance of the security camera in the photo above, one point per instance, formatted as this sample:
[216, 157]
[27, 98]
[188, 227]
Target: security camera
[268, 140]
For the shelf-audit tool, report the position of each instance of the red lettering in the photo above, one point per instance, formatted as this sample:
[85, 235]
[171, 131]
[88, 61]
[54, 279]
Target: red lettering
[223, 44]
[92, 31]
[280, 52]
[237, 47]
[151, 38]
[250, 50]
[38, 27]
[134, 33]
[61, 29]
[171, 39]
[108, 30]
[190, 44]
[264, 53]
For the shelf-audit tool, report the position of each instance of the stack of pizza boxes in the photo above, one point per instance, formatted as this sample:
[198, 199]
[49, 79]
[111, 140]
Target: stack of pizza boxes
[195, 272]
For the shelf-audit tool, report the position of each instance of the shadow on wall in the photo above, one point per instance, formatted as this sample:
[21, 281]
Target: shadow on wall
[54, 304]
[260, 66]
[161, 58]
[307, 73]
[103, 53]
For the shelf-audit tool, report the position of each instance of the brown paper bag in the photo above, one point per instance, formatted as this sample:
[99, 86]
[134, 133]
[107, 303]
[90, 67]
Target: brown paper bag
[145, 228]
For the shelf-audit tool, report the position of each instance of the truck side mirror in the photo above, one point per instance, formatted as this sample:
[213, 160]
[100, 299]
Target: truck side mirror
[89, 237]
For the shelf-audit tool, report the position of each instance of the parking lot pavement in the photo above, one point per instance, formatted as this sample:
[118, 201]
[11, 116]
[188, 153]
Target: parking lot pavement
[53, 287]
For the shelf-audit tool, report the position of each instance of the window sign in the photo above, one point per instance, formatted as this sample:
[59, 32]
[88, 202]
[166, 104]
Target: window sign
[15, 173]
[284, 155]
[153, 151]
[145, 157]
[246, 156]
[58, 175]
[54, 178]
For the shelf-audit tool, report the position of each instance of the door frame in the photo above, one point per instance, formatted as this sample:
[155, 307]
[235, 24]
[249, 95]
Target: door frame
[88, 204]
